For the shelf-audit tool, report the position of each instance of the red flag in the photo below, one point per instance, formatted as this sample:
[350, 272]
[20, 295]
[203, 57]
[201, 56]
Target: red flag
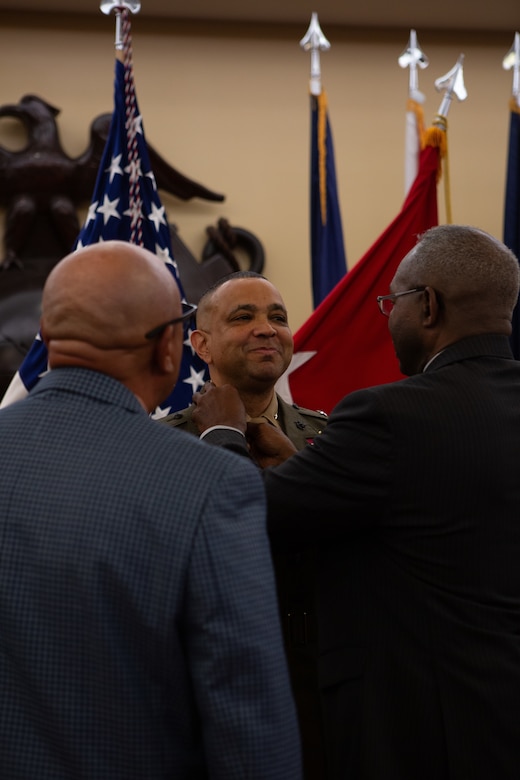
[346, 335]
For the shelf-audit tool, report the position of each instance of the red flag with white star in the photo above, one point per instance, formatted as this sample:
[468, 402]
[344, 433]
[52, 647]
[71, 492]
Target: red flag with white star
[345, 344]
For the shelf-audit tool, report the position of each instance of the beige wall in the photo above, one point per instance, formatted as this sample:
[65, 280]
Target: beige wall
[229, 107]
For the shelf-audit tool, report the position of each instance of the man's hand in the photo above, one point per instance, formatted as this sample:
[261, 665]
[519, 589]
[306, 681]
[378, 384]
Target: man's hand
[268, 445]
[218, 406]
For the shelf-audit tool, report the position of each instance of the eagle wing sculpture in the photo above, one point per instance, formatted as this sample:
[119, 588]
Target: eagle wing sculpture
[41, 180]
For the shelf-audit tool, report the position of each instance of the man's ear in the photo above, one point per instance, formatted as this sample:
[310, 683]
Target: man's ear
[43, 334]
[199, 342]
[431, 307]
[168, 352]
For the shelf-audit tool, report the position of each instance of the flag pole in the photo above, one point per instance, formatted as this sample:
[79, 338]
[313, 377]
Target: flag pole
[453, 85]
[328, 261]
[123, 46]
[512, 189]
[315, 42]
[512, 62]
[125, 203]
[412, 58]
[118, 6]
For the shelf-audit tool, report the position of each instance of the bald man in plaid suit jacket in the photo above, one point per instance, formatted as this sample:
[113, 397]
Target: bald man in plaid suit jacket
[138, 619]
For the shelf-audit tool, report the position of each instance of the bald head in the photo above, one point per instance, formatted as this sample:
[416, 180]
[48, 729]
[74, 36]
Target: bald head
[208, 302]
[99, 302]
[108, 295]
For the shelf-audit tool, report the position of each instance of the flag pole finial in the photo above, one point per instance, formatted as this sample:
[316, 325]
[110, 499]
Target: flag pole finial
[512, 61]
[412, 58]
[118, 6]
[315, 41]
[453, 84]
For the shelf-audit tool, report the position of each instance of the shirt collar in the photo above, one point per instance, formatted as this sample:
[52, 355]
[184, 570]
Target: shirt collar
[270, 413]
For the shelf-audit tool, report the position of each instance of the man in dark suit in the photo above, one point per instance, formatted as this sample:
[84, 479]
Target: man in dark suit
[243, 335]
[139, 635]
[412, 494]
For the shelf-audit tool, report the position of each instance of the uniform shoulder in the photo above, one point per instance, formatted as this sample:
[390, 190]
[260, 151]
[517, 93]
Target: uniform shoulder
[317, 414]
[292, 408]
[294, 415]
[315, 419]
[182, 417]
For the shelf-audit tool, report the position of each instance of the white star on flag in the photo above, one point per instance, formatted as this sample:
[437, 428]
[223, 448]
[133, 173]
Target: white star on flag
[164, 254]
[109, 209]
[114, 167]
[91, 216]
[161, 412]
[157, 216]
[196, 379]
[282, 386]
[150, 175]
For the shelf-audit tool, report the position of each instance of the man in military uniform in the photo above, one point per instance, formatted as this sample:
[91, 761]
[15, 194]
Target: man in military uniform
[244, 337]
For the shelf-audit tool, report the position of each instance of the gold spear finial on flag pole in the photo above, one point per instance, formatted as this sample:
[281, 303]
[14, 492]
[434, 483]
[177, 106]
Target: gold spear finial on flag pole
[107, 6]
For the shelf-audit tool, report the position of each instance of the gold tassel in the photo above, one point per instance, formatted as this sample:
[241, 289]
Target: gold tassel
[437, 136]
[413, 106]
[513, 105]
[322, 154]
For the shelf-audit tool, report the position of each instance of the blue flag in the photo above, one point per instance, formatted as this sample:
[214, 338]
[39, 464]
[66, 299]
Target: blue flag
[125, 206]
[327, 250]
[512, 209]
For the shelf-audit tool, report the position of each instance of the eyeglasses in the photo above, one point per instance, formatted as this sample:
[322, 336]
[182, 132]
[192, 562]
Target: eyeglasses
[188, 311]
[386, 302]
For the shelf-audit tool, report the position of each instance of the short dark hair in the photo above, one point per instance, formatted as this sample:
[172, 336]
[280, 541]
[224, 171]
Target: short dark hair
[204, 298]
[229, 278]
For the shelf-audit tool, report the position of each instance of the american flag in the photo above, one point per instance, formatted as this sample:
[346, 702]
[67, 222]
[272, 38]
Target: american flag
[125, 206]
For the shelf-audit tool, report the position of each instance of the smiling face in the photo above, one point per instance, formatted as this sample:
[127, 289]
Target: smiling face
[243, 334]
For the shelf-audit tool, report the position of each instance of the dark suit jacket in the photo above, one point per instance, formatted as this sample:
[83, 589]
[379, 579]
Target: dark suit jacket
[412, 494]
[138, 628]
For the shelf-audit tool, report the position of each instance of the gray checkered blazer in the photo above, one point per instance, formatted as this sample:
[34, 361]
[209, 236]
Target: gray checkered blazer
[139, 635]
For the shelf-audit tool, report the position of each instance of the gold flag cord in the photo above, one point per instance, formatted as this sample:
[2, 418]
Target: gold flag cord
[322, 153]
[414, 107]
[437, 135]
[513, 105]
